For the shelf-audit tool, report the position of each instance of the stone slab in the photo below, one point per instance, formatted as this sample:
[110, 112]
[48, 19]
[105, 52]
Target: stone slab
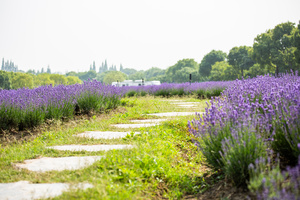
[172, 114]
[102, 147]
[23, 190]
[134, 125]
[59, 164]
[104, 134]
[148, 120]
[186, 105]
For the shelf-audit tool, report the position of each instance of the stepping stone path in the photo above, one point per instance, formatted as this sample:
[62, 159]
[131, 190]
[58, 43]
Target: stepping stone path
[90, 147]
[26, 190]
[58, 164]
[104, 135]
[23, 190]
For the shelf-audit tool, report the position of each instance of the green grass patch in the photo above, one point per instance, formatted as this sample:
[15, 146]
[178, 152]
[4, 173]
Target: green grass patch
[165, 162]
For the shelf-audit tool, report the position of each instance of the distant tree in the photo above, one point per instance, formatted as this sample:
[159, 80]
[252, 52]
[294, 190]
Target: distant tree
[43, 79]
[105, 67]
[296, 43]
[94, 66]
[3, 66]
[129, 71]
[31, 71]
[114, 76]
[48, 70]
[71, 80]
[209, 60]
[275, 48]
[85, 76]
[153, 73]
[183, 75]
[21, 80]
[139, 75]
[58, 79]
[255, 70]
[222, 71]
[184, 63]
[5, 82]
[240, 59]
[72, 73]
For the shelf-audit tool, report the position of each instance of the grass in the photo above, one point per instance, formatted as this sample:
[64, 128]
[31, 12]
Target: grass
[164, 163]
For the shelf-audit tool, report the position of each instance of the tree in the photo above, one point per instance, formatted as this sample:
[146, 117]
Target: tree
[240, 59]
[21, 80]
[153, 73]
[85, 76]
[5, 82]
[129, 71]
[48, 70]
[58, 79]
[184, 63]
[296, 43]
[43, 79]
[94, 66]
[209, 60]
[222, 71]
[275, 48]
[113, 76]
[255, 70]
[2, 66]
[137, 75]
[71, 80]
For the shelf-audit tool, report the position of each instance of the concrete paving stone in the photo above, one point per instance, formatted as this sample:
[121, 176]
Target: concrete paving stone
[102, 147]
[134, 125]
[63, 163]
[148, 120]
[104, 134]
[186, 105]
[172, 114]
[23, 190]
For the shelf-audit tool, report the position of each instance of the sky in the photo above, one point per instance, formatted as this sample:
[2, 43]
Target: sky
[68, 35]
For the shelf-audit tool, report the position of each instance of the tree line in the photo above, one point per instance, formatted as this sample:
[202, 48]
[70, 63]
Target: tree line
[273, 52]
[15, 80]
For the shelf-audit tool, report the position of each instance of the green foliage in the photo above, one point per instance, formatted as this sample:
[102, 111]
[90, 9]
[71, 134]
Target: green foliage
[5, 82]
[275, 48]
[153, 73]
[209, 60]
[21, 80]
[128, 71]
[114, 76]
[179, 72]
[239, 152]
[58, 79]
[71, 80]
[239, 58]
[297, 43]
[222, 71]
[137, 75]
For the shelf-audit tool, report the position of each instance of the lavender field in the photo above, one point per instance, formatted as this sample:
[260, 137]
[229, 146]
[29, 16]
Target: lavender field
[250, 129]
[26, 108]
[200, 90]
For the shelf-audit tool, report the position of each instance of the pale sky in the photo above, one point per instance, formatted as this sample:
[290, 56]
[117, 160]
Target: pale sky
[68, 35]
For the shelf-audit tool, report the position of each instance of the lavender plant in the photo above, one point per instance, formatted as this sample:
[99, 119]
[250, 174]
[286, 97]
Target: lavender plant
[25, 108]
[201, 90]
[265, 109]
